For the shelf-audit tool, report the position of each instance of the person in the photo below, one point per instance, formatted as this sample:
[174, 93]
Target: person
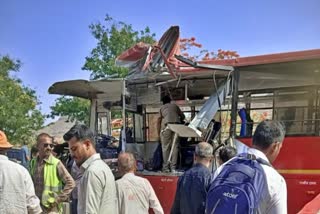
[76, 174]
[33, 161]
[25, 149]
[193, 185]
[17, 193]
[267, 143]
[134, 192]
[225, 154]
[49, 175]
[169, 113]
[97, 188]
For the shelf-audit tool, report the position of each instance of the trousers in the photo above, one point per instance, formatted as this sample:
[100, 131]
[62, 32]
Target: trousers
[166, 144]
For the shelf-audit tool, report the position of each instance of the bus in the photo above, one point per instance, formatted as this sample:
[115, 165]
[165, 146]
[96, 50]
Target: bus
[236, 93]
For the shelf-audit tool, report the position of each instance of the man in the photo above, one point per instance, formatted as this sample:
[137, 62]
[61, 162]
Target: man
[193, 184]
[267, 142]
[27, 153]
[33, 161]
[225, 154]
[49, 175]
[170, 113]
[97, 189]
[76, 174]
[16, 187]
[135, 194]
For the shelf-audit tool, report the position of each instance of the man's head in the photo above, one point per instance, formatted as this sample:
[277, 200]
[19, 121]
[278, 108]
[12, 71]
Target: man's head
[166, 99]
[44, 145]
[126, 163]
[226, 153]
[81, 143]
[4, 143]
[268, 138]
[203, 153]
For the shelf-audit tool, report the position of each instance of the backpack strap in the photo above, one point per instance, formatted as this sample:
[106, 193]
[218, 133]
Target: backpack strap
[253, 157]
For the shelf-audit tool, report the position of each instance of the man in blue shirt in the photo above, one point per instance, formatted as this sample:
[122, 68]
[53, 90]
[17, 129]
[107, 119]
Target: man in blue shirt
[193, 184]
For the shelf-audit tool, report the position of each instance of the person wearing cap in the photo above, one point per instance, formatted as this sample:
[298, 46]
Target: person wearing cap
[49, 175]
[169, 113]
[193, 185]
[17, 193]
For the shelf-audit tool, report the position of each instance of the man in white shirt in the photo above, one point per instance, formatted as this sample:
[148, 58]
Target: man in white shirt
[17, 193]
[266, 144]
[135, 194]
[97, 189]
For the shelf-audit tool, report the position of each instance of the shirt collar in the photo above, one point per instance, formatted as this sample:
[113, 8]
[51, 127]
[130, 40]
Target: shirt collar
[129, 174]
[48, 160]
[200, 165]
[3, 157]
[258, 154]
[89, 161]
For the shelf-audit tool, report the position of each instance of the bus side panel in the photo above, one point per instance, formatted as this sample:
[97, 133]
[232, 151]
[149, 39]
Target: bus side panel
[165, 189]
[298, 163]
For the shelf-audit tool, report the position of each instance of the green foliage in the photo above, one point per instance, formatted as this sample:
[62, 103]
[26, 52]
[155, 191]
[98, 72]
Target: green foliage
[113, 38]
[73, 107]
[19, 115]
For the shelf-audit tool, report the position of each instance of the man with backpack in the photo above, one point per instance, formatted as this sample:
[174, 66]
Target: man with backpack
[248, 183]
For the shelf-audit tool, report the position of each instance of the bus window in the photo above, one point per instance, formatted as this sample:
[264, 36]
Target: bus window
[296, 108]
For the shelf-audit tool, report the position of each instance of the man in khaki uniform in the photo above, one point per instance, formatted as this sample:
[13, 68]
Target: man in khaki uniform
[170, 113]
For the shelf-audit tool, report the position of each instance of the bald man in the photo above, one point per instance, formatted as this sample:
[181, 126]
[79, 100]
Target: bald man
[135, 194]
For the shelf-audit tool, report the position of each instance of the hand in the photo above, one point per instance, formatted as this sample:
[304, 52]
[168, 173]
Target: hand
[53, 204]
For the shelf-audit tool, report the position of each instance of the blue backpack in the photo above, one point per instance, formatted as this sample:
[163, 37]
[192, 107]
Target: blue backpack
[239, 186]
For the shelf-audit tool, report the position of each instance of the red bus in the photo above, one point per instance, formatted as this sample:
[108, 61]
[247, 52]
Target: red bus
[284, 87]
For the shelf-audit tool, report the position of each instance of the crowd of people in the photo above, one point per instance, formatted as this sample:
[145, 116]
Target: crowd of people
[93, 189]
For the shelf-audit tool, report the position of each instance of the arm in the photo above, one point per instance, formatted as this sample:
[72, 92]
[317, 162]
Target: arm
[94, 190]
[181, 114]
[176, 203]
[33, 202]
[119, 198]
[67, 180]
[153, 200]
[159, 123]
[279, 201]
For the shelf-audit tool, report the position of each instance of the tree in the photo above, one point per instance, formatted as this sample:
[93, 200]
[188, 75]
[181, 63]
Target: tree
[19, 116]
[113, 38]
[76, 109]
[190, 43]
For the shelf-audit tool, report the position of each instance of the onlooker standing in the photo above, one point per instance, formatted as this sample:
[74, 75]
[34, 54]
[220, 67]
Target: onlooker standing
[254, 168]
[97, 189]
[135, 194]
[49, 175]
[16, 187]
[170, 113]
[193, 184]
[76, 173]
[225, 154]
[27, 152]
[33, 161]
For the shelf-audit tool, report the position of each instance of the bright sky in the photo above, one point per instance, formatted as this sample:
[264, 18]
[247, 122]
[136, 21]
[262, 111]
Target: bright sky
[52, 38]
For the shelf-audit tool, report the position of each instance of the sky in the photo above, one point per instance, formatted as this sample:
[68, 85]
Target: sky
[52, 38]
